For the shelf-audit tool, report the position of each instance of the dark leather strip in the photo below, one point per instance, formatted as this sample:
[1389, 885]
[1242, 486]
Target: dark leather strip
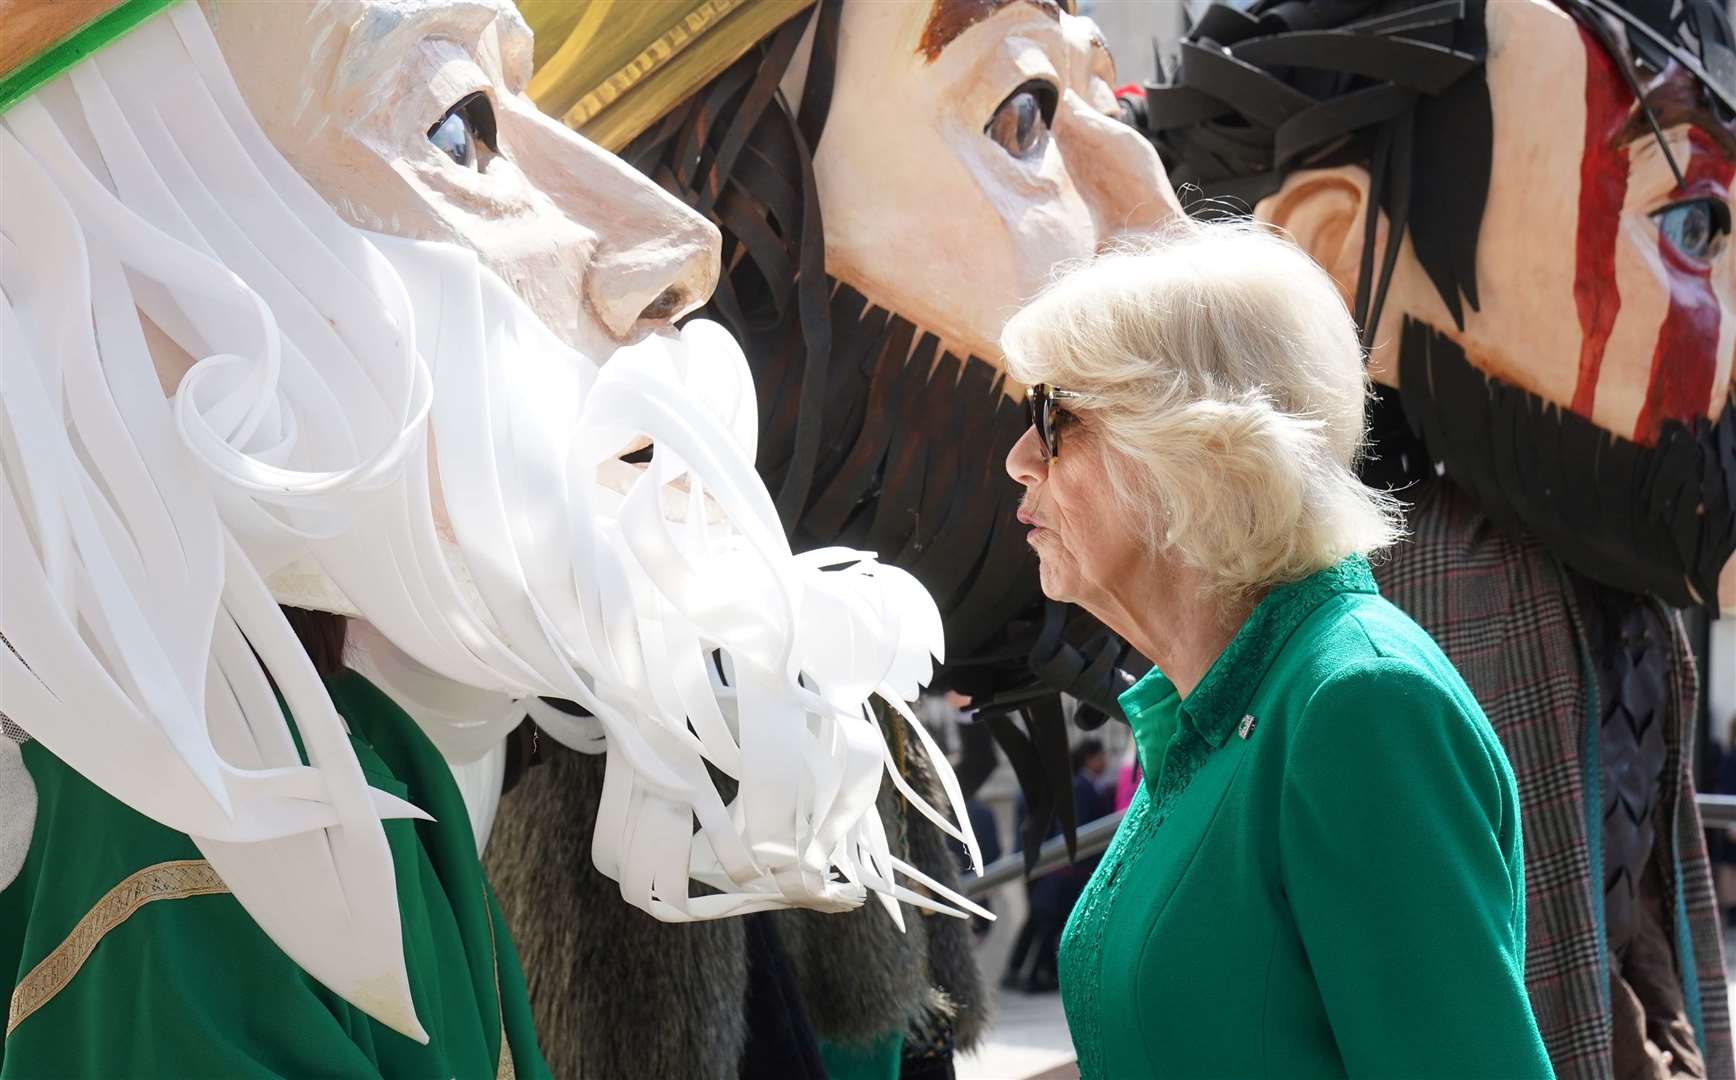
[1419, 66]
[1256, 93]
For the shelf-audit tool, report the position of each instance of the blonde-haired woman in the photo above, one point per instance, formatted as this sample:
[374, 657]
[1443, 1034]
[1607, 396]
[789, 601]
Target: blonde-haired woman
[1321, 873]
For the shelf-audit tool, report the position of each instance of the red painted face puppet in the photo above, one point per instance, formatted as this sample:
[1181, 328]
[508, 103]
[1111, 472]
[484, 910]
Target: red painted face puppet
[1607, 283]
[1652, 258]
[1559, 317]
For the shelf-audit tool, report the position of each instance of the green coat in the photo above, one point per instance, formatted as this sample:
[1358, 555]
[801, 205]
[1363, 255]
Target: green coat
[1321, 875]
[180, 982]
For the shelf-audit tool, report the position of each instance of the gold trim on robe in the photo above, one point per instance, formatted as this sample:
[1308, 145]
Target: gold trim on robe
[175, 880]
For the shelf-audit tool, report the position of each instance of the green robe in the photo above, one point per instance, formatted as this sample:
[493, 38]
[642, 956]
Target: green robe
[180, 982]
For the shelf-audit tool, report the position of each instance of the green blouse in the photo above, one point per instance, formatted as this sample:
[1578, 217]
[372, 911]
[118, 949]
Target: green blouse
[176, 980]
[1321, 875]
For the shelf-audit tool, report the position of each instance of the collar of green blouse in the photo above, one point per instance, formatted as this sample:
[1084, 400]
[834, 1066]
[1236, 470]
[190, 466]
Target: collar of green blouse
[1218, 705]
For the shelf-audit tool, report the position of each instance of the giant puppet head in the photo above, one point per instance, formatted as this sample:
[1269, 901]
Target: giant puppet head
[1530, 204]
[892, 181]
[368, 328]
[970, 147]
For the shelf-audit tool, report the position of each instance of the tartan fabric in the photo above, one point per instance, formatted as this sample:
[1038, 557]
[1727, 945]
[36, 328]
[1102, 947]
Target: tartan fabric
[1695, 902]
[1501, 609]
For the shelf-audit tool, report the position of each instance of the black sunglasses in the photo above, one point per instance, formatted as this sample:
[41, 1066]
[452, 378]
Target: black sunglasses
[1043, 412]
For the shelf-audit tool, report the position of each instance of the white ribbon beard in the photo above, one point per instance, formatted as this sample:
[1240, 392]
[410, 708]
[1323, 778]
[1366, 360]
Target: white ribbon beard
[138, 532]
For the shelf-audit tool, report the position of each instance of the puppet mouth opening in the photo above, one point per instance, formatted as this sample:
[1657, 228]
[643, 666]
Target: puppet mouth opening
[631, 464]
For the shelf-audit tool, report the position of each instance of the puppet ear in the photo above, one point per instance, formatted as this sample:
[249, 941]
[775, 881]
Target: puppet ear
[1324, 211]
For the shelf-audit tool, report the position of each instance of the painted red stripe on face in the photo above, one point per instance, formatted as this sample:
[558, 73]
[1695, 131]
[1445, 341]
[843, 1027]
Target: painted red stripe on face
[1603, 181]
[1685, 360]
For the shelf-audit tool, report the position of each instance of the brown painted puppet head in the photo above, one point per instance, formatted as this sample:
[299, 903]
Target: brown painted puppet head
[892, 181]
[1529, 204]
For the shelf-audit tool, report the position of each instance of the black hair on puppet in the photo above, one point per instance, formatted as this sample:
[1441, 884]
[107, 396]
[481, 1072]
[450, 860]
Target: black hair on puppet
[1394, 85]
[871, 433]
[1695, 34]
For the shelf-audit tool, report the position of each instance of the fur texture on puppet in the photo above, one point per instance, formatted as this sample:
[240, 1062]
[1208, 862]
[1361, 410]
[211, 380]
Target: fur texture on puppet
[862, 976]
[632, 996]
[628, 995]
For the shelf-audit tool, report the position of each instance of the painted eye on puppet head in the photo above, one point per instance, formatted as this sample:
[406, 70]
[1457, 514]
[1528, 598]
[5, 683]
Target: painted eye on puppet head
[1021, 123]
[1695, 227]
[465, 125]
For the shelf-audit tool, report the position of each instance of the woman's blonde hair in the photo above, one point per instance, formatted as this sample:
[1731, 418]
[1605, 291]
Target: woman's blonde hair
[1223, 371]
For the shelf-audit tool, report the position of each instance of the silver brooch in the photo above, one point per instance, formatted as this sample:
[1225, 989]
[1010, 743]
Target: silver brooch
[1248, 723]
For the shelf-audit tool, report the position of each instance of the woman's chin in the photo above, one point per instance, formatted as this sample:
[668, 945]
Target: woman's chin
[1057, 586]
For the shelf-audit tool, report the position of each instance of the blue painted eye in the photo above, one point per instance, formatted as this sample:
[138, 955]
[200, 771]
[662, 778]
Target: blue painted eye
[1696, 228]
[465, 124]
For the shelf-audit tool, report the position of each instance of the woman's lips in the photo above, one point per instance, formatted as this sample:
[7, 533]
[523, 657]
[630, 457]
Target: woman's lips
[1037, 528]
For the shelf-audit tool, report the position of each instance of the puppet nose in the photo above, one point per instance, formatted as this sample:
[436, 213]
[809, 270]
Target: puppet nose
[644, 284]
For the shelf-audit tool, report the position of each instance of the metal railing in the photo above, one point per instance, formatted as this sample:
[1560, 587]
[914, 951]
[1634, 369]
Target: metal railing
[1092, 838]
[1716, 811]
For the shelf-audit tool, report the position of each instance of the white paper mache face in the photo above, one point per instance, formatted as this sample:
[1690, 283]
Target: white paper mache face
[410, 118]
[469, 303]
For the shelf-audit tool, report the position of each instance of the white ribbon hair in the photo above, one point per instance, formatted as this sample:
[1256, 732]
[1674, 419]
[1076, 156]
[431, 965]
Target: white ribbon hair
[141, 197]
